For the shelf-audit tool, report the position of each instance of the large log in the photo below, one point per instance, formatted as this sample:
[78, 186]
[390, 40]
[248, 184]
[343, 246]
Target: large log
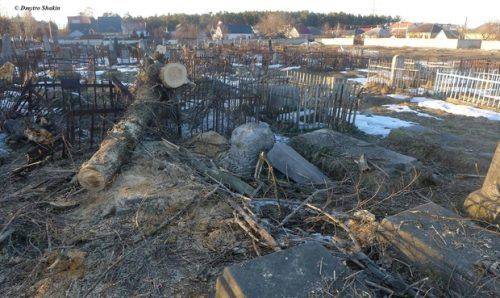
[123, 137]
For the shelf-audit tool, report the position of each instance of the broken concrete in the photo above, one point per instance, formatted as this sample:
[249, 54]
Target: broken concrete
[391, 162]
[247, 142]
[286, 160]
[436, 239]
[300, 271]
[485, 202]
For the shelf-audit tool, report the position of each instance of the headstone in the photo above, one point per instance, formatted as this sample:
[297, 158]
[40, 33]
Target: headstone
[485, 203]
[391, 162]
[398, 63]
[302, 271]
[7, 52]
[46, 43]
[462, 254]
[247, 142]
[286, 160]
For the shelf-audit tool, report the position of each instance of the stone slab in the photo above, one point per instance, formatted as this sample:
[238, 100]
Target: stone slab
[300, 271]
[438, 240]
[391, 162]
[286, 160]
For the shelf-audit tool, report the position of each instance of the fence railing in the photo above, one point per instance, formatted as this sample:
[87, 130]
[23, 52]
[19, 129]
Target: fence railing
[416, 76]
[288, 101]
[479, 89]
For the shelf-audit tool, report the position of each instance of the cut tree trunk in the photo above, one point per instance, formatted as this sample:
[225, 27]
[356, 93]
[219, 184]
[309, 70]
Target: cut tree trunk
[124, 136]
[173, 75]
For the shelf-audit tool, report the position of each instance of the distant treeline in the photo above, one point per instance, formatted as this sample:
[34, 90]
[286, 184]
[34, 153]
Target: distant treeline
[253, 17]
[27, 26]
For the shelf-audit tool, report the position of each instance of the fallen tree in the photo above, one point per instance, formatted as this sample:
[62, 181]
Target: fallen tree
[123, 137]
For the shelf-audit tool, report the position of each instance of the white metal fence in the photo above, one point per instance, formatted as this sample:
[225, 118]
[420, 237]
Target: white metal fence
[477, 88]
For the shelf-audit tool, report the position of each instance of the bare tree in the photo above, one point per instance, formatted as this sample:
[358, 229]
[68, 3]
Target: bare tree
[274, 24]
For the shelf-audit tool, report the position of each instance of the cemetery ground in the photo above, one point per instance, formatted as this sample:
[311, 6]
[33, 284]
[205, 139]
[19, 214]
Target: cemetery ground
[208, 214]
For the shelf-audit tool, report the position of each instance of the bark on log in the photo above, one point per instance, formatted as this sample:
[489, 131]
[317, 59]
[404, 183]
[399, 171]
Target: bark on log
[123, 137]
[98, 170]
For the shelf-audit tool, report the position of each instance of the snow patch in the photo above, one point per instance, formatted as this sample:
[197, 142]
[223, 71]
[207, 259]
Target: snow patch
[407, 109]
[399, 96]
[455, 109]
[361, 81]
[379, 125]
[281, 139]
[290, 68]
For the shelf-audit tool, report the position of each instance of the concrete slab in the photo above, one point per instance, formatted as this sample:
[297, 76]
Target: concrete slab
[391, 162]
[457, 250]
[286, 160]
[300, 271]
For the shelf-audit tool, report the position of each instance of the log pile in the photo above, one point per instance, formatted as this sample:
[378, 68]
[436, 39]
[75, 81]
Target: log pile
[124, 136]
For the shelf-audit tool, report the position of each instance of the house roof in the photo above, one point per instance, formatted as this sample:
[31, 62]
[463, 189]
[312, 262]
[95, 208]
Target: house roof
[111, 24]
[378, 32]
[426, 28]
[452, 34]
[134, 25]
[488, 28]
[239, 29]
[301, 29]
[401, 25]
[314, 30]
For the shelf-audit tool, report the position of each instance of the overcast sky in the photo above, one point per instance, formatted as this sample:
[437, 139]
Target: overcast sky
[442, 11]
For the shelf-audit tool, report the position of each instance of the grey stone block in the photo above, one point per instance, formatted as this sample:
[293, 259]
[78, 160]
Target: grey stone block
[286, 160]
[300, 271]
[436, 239]
[391, 162]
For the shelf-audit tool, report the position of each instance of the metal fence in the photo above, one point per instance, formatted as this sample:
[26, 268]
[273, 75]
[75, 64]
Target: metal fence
[417, 76]
[477, 88]
[287, 100]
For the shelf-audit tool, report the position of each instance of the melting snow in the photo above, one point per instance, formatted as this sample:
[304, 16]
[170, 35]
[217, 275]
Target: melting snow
[290, 68]
[281, 139]
[379, 125]
[362, 81]
[407, 109]
[399, 96]
[127, 68]
[455, 109]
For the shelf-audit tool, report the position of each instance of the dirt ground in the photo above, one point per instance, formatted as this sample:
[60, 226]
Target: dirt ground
[163, 229]
[457, 148]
